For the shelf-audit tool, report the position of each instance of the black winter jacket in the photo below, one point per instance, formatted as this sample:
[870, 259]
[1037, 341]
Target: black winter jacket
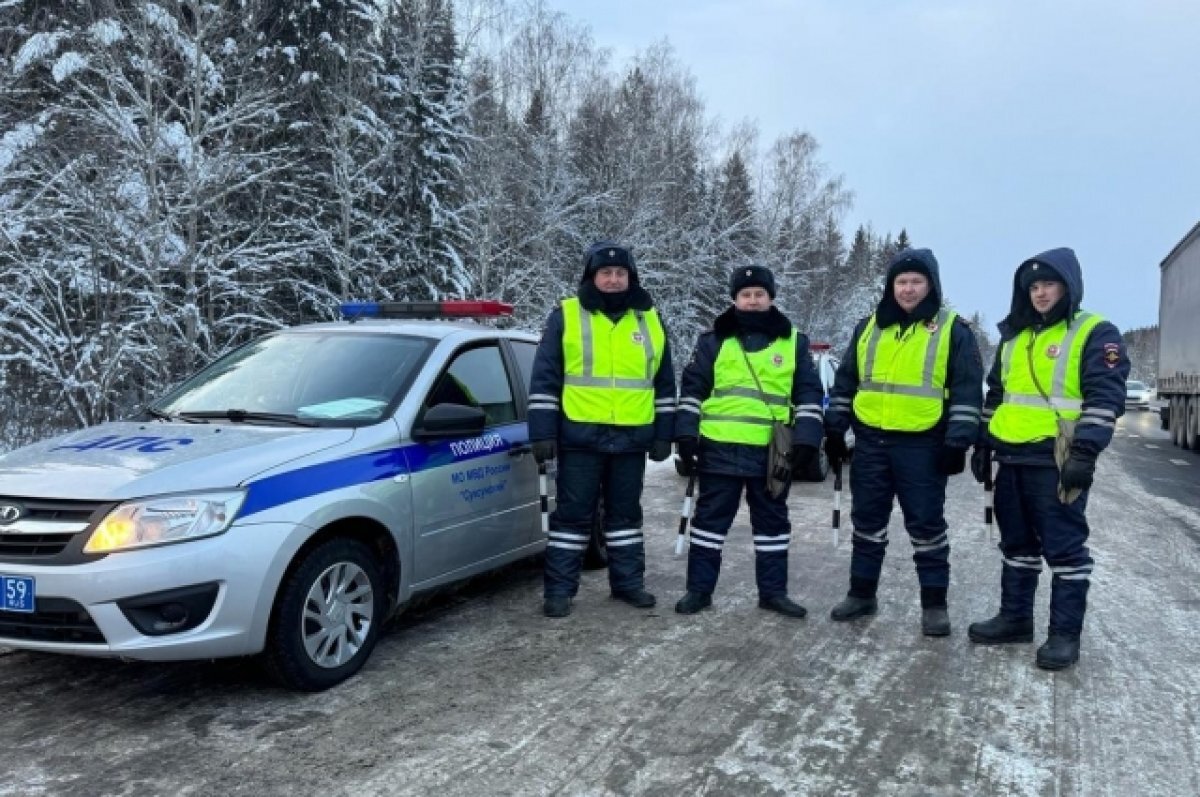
[736, 459]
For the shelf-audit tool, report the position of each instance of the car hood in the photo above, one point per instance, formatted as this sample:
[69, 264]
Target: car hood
[121, 460]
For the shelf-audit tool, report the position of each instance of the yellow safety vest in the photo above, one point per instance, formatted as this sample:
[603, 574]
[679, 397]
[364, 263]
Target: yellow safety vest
[735, 411]
[610, 367]
[1055, 357]
[902, 381]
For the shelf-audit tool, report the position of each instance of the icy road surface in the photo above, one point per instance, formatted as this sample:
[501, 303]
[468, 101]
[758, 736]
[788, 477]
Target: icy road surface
[477, 694]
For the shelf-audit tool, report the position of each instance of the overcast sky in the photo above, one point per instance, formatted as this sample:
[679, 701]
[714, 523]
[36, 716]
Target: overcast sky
[991, 129]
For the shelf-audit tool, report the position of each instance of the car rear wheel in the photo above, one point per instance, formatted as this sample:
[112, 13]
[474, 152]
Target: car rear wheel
[327, 616]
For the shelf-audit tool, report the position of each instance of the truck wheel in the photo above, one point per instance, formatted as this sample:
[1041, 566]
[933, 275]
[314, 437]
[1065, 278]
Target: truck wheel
[1180, 421]
[1192, 428]
[327, 617]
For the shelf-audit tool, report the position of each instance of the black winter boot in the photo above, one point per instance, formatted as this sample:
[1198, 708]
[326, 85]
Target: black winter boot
[860, 602]
[693, 602]
[1059, 652]
[556, 606]
[638, 598]
[935, 620]
[1001, 629]
[782, 604]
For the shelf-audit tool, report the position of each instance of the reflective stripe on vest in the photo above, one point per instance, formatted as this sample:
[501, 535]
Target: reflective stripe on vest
[609, 367]
[1056, 356]
[735, 411]
[902, 382]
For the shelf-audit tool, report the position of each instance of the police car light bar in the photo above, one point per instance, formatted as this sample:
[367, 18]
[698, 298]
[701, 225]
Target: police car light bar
[456, 308]
[819, 346]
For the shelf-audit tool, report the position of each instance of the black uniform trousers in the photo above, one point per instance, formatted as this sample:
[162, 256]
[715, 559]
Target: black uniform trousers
[1034, 525]
[583, 477]
[720, 497]
[884, 468]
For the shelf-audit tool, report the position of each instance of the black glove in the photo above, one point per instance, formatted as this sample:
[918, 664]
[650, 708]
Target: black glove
[660, 450]
[688, 449]
[835, 448]
[981, 462]
[544, 450]
[1078, 470]
[952, 460]
[802, 456]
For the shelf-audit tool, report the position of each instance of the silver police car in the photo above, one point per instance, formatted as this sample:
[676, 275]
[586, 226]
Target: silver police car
[283, 501]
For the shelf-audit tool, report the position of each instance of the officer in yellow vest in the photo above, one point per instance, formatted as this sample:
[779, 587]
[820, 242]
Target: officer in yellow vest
[602, 396]
[751, 369]
[910, 385]
[1057, 365]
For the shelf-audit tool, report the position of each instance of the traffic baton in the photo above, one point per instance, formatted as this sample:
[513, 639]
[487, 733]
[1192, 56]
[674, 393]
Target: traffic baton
[837, 501]
[685, 514]
[988, 485]
[545, 497]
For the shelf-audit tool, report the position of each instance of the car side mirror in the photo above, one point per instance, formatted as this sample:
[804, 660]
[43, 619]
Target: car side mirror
[450, 420]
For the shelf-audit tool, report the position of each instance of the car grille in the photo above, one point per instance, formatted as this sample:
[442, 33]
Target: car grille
[65, 523]
[56, 620]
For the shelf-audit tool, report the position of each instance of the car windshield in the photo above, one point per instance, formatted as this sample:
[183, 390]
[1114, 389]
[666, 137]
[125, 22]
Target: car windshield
[311, 377]
[1134, 386]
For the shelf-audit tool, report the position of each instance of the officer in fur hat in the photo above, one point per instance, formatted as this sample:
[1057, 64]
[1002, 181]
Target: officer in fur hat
[753, 369]
[602, 397]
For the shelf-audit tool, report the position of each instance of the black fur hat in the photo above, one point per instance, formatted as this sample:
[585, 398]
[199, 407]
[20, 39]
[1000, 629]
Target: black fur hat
[607, 253]
[747, 276]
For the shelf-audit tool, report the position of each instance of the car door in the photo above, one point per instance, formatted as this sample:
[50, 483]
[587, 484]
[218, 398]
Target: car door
[464, 497]
[525, 482]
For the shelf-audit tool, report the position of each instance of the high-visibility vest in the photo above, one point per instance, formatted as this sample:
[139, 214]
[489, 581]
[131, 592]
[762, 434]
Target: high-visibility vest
[902, 380]
[1055, 356]
[609, 367]
[735, 411]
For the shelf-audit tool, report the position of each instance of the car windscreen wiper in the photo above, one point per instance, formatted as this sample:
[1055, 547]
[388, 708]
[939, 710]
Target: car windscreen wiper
[247, 416]
[155, 412]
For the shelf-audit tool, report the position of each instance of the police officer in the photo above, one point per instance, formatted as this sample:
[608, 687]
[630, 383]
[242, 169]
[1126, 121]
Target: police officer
[910, 385]
[1056, 364]
[751, 369]
[602, 396]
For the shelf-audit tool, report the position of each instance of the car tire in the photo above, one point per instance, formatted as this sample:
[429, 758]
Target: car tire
[596, 555]
[313, 599]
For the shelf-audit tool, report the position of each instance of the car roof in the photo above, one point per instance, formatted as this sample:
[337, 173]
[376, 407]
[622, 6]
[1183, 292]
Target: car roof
[420, 328]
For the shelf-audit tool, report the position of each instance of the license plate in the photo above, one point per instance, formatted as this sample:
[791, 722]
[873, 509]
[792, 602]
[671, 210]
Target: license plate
[16, 592]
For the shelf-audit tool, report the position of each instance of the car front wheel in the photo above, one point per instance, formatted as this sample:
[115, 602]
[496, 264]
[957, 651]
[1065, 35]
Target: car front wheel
[327, 617]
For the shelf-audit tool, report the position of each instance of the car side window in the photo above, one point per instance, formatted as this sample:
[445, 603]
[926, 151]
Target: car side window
[477, 378]
[525, 352]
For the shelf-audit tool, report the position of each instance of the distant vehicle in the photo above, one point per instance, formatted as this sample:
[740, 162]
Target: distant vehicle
[1137, 395]
[1179, 341]
[826, 364]
[284, 501]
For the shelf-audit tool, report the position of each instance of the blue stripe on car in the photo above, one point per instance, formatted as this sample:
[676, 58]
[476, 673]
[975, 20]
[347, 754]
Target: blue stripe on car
[283, 488]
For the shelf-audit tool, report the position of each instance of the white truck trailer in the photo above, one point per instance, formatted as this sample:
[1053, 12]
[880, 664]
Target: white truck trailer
[1179, 341]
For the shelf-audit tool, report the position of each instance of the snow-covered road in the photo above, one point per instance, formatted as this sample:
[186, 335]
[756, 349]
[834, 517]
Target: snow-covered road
[477, 693]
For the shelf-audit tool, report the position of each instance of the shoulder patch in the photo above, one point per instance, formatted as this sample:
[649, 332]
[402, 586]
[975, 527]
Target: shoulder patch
[1111, 354]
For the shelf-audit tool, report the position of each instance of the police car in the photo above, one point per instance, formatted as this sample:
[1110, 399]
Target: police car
[284, 501]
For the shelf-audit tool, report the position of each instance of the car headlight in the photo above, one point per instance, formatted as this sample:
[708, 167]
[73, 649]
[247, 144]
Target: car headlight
[157, 521]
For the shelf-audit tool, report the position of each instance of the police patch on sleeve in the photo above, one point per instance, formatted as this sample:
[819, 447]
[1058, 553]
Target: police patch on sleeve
[1112, 354]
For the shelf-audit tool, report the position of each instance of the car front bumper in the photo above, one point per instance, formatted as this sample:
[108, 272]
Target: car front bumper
[245, 563]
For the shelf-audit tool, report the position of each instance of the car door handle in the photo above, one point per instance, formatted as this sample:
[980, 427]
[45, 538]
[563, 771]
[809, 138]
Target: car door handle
[519, 449]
